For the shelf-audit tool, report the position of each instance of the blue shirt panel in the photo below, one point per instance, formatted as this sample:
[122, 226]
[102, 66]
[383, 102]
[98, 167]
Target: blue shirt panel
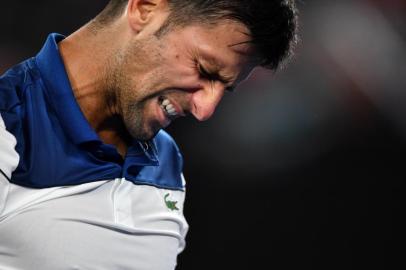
[56, 144]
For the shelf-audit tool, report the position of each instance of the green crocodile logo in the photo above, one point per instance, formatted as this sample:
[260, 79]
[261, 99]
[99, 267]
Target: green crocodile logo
[170, 204]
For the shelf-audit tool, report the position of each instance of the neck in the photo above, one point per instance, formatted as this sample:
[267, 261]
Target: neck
[86, 55]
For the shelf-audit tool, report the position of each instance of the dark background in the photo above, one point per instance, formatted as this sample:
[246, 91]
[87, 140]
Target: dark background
[302, 169]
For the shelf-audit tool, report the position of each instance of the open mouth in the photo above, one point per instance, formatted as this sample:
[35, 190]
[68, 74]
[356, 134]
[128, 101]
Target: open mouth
[168, 107]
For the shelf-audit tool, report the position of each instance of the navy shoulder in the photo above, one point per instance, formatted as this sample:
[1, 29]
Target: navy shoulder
[16, 98]
[13, 84]
[168, 174]
[165, 143]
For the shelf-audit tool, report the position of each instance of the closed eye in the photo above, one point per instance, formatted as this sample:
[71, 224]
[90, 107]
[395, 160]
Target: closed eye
[203, 73]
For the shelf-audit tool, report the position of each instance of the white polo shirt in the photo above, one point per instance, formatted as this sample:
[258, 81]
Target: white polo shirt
[111, 224]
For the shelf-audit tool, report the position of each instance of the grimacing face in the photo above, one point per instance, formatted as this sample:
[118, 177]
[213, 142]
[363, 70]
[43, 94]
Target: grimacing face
[185, 71]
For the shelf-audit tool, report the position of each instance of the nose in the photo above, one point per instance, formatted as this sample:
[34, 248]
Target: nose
[205, 101]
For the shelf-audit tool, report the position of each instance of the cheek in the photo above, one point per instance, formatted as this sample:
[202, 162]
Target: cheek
[181, 75]
[180, 63]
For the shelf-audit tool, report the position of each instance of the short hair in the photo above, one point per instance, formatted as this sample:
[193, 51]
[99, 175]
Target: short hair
[272, 24]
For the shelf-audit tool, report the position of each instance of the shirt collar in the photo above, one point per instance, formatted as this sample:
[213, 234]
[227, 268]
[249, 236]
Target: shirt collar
[59, 90]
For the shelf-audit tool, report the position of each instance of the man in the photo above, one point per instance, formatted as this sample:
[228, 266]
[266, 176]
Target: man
[88, 178]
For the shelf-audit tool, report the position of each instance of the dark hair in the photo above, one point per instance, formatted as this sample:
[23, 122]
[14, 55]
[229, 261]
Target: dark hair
[272, 23]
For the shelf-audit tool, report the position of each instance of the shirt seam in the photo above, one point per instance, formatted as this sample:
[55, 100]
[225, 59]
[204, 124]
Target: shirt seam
[4, 174]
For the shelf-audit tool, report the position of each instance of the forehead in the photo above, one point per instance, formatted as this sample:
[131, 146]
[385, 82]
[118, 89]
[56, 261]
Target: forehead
[226, 42]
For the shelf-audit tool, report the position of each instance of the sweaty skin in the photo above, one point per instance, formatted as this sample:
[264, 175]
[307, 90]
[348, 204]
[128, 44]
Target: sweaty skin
[122, 73]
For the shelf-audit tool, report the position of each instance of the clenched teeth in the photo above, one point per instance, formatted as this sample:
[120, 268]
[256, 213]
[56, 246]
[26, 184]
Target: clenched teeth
[168, 107]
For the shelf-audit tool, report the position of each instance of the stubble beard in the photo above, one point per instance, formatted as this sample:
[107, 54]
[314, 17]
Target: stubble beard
[130, 104]
[133, 108]
[133, 95]
[138, 127]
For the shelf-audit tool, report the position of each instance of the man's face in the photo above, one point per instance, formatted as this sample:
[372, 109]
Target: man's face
[185, 71]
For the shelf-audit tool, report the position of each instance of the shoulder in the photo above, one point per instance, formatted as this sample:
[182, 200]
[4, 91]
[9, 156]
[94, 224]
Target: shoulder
[13, 84]
[168, 173]
[15, 99]
[168, 150]
[165, 142]
[14, 104]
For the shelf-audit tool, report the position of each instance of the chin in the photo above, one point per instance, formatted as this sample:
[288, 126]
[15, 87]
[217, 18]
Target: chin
[140, 127]
[145, 137]
[144, 134]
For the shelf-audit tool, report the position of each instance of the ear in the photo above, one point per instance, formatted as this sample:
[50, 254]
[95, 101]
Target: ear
[142, 12]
